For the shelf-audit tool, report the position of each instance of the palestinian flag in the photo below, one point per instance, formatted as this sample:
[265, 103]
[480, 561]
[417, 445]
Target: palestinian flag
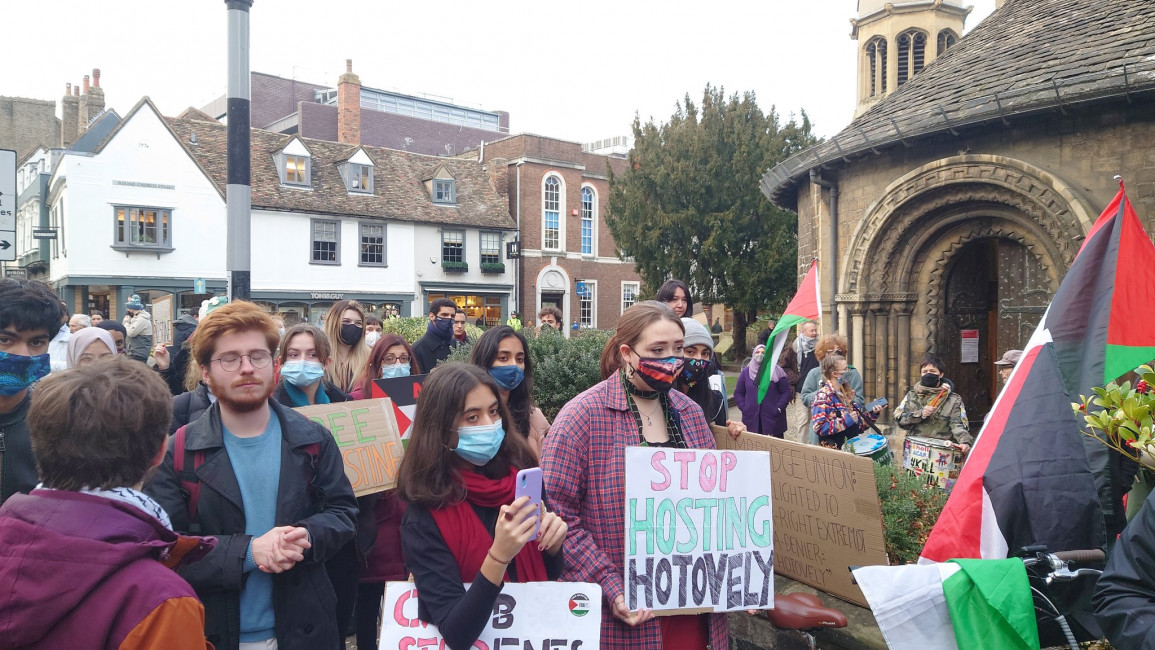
[958, 604]
[1033, 476]
[806, 306]
[403, 392]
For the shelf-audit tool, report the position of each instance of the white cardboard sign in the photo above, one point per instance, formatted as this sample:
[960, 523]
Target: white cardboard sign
[699, 531]
[548, 615]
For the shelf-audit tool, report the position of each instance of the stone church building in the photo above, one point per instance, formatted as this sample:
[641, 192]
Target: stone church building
[953, 204]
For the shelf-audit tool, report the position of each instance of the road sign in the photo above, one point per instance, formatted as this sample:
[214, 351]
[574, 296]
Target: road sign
[7, 205]
[199, 285]
[46, 233]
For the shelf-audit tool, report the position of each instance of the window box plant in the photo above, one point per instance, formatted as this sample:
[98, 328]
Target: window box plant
[492, 267]
[455, 267]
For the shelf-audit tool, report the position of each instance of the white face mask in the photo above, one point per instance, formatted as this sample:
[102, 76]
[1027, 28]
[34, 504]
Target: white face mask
[371, 338]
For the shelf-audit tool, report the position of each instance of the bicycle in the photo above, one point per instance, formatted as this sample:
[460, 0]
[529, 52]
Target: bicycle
[1061, 598]
[804, 613]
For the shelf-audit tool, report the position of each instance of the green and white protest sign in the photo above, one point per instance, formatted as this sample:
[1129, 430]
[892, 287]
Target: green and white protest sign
[699, 531]
[548, 615]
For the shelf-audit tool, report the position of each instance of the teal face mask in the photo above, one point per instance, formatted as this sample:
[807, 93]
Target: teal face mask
[479, 444]
[302, 373]
[396, 370]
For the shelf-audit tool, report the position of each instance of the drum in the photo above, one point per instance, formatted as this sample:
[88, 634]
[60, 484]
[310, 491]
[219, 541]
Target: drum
[872, 446]
[935, 460]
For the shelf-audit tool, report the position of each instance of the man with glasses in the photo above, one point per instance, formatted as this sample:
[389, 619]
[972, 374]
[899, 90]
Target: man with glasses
[268, 484]
[434, 346]
[460, 338]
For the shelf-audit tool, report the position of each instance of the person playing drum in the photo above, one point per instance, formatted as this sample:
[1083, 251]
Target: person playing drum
[931, 409]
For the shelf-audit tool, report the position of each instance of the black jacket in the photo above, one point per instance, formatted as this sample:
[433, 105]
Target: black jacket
[188, 407]
[303, 598]
[178, 354]
[429, 350]
[18, 468]
[1124, 599]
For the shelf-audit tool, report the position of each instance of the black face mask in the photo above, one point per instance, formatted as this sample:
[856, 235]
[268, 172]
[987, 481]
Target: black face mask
[350, 333]
[931, 380]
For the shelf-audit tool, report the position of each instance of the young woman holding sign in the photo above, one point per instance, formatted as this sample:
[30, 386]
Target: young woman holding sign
[584, 463]
[391, 356]
[504, 353]
[463, 523]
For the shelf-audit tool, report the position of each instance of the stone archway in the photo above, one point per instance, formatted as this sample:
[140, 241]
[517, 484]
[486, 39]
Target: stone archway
[895, 287]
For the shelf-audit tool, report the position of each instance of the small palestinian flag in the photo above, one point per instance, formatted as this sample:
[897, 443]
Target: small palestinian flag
[403, 392]
[1033, 477]
[806, 306]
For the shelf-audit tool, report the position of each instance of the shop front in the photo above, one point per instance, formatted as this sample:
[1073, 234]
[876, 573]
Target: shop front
[484, 305]
[108, 295]
[311, 306]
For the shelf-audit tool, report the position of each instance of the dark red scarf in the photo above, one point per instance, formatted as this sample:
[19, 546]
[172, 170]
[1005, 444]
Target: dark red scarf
[468, 539]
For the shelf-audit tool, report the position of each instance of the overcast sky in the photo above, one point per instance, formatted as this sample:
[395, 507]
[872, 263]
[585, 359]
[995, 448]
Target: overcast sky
[578, 71]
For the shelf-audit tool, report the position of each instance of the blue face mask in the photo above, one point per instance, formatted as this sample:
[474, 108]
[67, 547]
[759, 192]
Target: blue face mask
[479, 444]
[18, 372]
[396, 370]
[507, 377]
[302, 373]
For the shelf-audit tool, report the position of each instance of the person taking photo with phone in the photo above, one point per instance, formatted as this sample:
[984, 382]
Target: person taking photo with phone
[834, 414]
[462, 523]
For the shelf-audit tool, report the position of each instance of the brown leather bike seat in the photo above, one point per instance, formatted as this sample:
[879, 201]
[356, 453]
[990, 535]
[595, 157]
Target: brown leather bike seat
[800, 611]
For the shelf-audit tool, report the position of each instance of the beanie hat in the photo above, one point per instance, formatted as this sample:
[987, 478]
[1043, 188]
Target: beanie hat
[134, 303]
[696, 334]
[211, 304]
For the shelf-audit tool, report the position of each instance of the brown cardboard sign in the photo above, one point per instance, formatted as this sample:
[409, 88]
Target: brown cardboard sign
[366, 434]
[827, 515]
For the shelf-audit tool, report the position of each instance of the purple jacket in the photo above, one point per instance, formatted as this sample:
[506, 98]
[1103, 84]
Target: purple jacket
[81, 571]
[769, 417]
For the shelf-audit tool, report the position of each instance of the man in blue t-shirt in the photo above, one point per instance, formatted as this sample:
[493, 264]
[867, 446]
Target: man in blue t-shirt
[270, 485]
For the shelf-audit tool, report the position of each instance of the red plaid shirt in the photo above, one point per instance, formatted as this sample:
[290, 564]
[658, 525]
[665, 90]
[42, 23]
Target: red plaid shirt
[584, 470]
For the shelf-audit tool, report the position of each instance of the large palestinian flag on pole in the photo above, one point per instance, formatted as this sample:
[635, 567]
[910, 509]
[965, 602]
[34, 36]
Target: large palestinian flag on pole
[1033, 476]
[806, 306]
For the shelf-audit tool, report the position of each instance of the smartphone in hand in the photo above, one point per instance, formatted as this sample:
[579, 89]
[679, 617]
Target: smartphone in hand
[528, 484]
[881, 401]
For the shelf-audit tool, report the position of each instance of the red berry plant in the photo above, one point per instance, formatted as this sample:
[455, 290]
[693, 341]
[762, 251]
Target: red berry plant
[1120, 415]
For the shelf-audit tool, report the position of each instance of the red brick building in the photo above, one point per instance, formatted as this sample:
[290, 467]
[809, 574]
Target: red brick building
[558, 192]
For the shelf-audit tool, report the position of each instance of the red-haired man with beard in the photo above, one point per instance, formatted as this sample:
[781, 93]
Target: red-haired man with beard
[265, 481]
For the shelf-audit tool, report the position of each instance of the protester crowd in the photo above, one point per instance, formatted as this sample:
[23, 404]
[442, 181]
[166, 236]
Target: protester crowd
[188, 504]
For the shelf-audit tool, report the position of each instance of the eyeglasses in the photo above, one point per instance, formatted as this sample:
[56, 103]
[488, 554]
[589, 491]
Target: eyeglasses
[232, 362]
[390, 359]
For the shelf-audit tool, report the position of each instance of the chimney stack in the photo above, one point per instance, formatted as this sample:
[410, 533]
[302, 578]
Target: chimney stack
[69, 111]
[85, 84]
[96, 77]
[349, 106]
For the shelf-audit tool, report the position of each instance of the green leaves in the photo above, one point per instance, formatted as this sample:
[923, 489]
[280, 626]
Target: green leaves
[1120, 415]
[689, 204]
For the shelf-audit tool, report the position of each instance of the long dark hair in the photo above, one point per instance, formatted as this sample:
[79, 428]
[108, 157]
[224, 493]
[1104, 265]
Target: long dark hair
[376, 361]
[520, 402]
[669, 288]
[426, 476]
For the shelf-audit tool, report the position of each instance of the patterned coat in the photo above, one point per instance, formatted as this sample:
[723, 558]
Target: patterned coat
[584, 471]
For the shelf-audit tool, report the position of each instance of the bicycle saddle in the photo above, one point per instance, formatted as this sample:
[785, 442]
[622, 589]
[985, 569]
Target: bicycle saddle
[800, 611]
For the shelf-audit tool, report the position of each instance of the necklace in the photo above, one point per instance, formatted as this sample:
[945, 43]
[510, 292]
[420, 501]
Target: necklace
[649, 421]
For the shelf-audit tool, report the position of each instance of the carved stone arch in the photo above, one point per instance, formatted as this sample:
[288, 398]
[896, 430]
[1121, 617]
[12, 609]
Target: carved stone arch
[1050, 201]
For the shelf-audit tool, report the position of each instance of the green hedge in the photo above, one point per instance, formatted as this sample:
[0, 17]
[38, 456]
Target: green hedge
[562, 367]
[412, 329]
[909, 510]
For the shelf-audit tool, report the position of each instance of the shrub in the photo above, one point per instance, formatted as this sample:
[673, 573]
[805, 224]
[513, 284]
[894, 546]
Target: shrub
[563, 367]
[457, 267]
[492, 267]
[412, 329]
[909, 510]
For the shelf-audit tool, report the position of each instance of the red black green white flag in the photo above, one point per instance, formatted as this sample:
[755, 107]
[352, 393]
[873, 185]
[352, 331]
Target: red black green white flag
[1033, 476]
[805, 306]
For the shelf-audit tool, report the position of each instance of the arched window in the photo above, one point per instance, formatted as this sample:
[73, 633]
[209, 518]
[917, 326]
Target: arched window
[911, 54]
[946, 39]
[876, 65]
[589, 201]
[551, 213]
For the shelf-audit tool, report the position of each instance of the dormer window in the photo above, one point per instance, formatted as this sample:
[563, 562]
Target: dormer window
[444, 190]
[358, 173]
[294, 164]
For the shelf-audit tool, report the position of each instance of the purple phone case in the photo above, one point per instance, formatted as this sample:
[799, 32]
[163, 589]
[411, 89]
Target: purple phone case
[528, 483]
